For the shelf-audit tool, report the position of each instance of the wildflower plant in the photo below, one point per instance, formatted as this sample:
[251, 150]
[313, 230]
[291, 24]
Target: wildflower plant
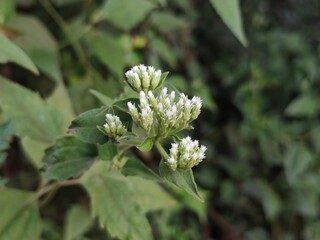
[155, 115]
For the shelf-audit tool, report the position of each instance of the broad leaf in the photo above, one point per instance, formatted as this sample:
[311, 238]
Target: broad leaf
[108, 50]
[78, 221]
[297, 159]
[303, 106]
[230, 13]
[84, 127]
[9, 52]
[150, 195]
[135, 167]
[181, 178]
[34, 150]
[47, 62]
[19, 215]
[69, 157]
[7, 8]
[31, 116]
[113, 201]
[125, 14]
[107, 151]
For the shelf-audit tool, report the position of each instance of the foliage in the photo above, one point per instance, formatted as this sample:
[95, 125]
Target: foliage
[62, 69]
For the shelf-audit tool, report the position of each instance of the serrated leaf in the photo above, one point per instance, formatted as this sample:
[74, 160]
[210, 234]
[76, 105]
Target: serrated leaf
[69, 157]
[78, 221]
[150, 195]
[31, 116]
[84, 127]
[103, 98]
[19, 215]
[135, 167]
[146, 146]
[181, 178]
[10, 52]
[230, 13]
[113, 201]
[125, 14]
[107, 151]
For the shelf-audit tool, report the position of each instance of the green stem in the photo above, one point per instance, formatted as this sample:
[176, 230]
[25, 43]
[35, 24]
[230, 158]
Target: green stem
[61, 23]
[161, 150]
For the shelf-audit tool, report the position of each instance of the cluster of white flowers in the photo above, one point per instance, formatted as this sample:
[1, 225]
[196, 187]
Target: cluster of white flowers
[143, 119]
[185, 154]
[113, 126]
[142, 78]
[169, 114]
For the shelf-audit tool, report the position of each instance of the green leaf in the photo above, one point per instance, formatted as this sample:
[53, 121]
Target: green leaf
[303, 106]
[135, 167]
[146, 146]
[167, 22]
[107, 151]
[19, 215]
[108, 49]
[150, 195]
[34, 150]
[78, 221]
[125, 14]
[230, 13]
[69, 157]
[123, 104]
[10, 52]
[297, 159]
[103, 98]
[113, 201]
[164, 51]
[84, 127]
[181, 178]
[33, 34]
[31, 116]
[47, 62]
[7, 8]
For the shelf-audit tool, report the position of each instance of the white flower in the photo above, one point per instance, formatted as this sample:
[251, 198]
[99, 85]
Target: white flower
[185, 154]
[113, 126]
[142, 78]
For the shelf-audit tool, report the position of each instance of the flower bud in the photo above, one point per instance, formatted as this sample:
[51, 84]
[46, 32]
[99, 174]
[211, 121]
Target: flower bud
[113, 126]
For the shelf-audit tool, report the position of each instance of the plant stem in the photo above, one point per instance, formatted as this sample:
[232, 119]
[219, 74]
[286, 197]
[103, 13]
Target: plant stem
[161, 150]
[61, 23]
[55, 186]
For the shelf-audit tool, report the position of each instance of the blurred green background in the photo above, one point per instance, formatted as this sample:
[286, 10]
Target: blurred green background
[260, 118]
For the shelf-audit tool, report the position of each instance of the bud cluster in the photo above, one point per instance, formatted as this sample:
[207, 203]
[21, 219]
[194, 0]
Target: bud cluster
[169, 114]
[142, 78]
[113, 126]
[185, 154]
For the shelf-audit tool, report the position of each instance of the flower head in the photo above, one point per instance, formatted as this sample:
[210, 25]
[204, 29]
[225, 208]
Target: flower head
[113, 126]
[142, 78]
[185, 154]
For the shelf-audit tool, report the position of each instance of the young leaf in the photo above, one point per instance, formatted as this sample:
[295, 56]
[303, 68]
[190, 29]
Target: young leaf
[113, 201]
[31, 116]
[69, 157]
[78, 221]
[107, 151]
[10, 52]
[146, 146]
[19, 215]
[181, 178]
[230, 13]
[84, 127]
